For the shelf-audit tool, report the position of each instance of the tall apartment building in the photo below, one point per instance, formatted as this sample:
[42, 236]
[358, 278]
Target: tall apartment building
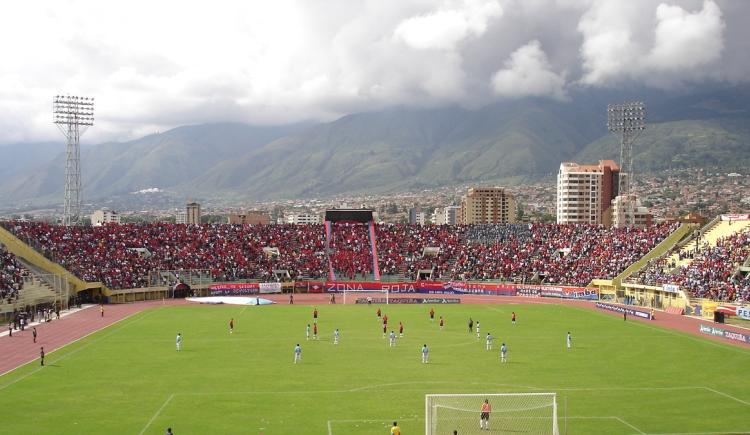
[585, 192]
[438, 216]
[180, 217]
[452, 214]
[104, 216]
[628, 211]
[193, 210]
[417, 216]
[488, 205]
[303, 219]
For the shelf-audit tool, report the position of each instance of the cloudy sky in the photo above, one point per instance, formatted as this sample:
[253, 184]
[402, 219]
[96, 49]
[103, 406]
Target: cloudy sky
[152, 65]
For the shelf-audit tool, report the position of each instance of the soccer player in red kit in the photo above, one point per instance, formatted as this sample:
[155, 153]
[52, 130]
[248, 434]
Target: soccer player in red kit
[432, 314]
[384, 329]
[315, 331]
[401, 329]
[315, 315]
[385, 319]
[513, 317]
[442, 323]
[378, 313]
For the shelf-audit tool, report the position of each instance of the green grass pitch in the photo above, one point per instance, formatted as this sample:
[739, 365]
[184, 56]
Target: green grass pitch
[619, 378]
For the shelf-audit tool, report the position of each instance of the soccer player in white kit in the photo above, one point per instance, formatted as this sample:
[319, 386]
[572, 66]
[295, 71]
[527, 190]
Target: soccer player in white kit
[392, 339]
[425, 354]
[569, 340]
[297, 353]
[503, 353]
[178, 341]
[336, 335]
[489, 341]
[307, 332]
[477, 329]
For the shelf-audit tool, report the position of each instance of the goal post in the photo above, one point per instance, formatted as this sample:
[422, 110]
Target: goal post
[508, 413]
[377, 296]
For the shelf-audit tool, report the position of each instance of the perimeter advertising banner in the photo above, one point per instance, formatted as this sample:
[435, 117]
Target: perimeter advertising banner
[408, 301]
[548, 291]
[730, 335]
[743, 312]
[452, 287]
[269, 287]
[735, 217]
[234, 289]
[624, 309]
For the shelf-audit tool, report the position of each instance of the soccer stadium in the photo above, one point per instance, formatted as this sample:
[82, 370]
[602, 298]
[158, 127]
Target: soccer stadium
[604, 330]
[390, 217]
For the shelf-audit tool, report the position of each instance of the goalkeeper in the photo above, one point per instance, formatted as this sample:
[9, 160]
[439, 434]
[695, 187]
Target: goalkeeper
[484, 419]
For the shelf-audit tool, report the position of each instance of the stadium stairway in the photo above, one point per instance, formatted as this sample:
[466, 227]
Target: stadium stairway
[34, 292]
[663, 247]
[42, 265]
[716, 230]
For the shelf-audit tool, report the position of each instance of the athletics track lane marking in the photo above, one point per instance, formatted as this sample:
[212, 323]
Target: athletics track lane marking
[86, 345]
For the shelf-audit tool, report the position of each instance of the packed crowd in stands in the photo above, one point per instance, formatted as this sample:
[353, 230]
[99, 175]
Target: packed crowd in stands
[559, 254]
[121, 256]
[709, 274]
[11, 276]
[401, 248]
[351, 253]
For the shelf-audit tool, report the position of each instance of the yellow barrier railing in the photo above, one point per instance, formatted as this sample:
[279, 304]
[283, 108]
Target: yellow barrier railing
[660, 249]
[20, 249]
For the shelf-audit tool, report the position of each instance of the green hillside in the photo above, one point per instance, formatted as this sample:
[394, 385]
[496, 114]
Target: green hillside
[681, 144]
[393, 149]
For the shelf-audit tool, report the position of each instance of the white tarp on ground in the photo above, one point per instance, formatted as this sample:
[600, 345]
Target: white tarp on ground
[233, 300]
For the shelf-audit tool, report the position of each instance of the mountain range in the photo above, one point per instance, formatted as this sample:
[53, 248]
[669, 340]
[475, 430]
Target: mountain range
[389, 150]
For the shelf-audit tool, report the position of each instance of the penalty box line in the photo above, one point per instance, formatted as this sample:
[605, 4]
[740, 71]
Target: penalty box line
[371, 420]
[368, 387]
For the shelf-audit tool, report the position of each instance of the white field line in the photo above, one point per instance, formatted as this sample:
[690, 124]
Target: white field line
[158, 411]
[686, 335]
[20, 378]
[331, 422]
[702, 433]
[621, 420]
[727, 395]
[696, 387]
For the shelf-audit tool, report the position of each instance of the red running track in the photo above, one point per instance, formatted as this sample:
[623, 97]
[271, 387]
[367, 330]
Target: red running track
[20, 349]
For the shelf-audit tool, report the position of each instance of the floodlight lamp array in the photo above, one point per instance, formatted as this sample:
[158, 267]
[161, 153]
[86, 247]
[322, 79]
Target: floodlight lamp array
[626, 118]
[75, 110]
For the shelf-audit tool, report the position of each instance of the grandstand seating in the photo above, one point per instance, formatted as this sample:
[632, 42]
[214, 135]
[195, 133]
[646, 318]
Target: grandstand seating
[11, 276]
[121, 256]
[718, 230]
[711, 271]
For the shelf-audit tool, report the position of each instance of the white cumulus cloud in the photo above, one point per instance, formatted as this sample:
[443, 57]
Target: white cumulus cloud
[622, 42]
[686, 40]
[448, 25]
[528, 74]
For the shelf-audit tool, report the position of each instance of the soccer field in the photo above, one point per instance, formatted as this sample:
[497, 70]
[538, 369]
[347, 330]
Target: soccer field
[619, 377]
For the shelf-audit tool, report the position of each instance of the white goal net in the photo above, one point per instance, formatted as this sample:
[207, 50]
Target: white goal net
[527, 413]
[365, 296]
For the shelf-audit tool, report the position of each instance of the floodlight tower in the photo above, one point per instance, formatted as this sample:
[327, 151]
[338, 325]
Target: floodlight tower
[73, 115]
[628, 120]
